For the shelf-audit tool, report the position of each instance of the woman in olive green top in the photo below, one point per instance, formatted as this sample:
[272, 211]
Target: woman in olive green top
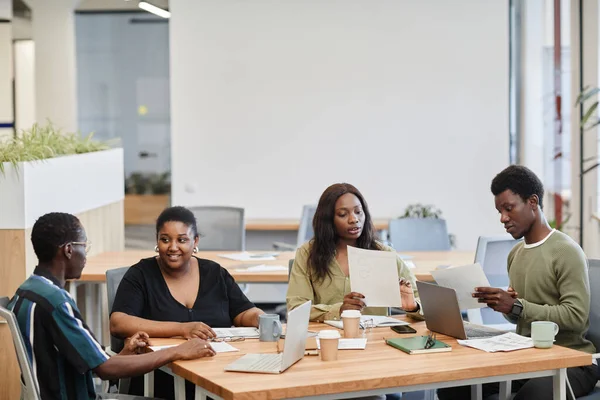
[320, 271]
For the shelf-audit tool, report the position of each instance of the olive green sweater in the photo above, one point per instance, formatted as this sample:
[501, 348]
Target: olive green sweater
[551, 279]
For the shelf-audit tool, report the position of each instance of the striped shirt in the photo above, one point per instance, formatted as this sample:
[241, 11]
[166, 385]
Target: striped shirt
[61, 349]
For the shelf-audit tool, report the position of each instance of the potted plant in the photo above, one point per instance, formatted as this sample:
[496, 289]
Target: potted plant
[420, 227]
[146, 195]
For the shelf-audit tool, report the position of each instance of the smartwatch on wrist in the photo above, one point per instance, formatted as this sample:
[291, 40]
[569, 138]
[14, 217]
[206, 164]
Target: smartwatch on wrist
[517, 309]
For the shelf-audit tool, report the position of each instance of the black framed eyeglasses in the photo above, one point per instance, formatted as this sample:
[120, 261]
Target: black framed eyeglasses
[430, 341]
[227, 339]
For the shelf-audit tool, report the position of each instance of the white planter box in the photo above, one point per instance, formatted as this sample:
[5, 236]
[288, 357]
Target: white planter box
[72, 184]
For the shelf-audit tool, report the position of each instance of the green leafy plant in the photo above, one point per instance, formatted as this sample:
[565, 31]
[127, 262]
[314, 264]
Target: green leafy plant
[148, 183]
[45, 141]
[588, 99]
[419, 210]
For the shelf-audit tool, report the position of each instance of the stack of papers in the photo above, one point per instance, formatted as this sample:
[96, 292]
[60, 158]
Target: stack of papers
[236, 332]
[378, 321]
[507, 342]
[245, 256]
[349, 344]
[263, 268]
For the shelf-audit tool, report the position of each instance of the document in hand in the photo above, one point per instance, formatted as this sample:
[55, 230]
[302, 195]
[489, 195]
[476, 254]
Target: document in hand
[416, 345]
[375, 274]
[463, 280]
[507, 342]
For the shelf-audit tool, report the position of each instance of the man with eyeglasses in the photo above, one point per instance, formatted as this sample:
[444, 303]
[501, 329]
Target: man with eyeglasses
[62, 350]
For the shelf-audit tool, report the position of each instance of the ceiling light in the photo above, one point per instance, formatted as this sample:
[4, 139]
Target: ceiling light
[154, 10]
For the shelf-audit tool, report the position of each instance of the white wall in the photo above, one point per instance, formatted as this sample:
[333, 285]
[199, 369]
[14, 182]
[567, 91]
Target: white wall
[24, 84]
[272, 101]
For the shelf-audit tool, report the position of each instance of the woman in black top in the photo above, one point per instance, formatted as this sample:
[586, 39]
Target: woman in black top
[177, 294]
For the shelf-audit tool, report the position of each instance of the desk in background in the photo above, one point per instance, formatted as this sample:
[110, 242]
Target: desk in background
[378, 369]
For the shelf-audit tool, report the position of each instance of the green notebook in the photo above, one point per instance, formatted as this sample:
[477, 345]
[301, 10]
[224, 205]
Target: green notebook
[416, 345]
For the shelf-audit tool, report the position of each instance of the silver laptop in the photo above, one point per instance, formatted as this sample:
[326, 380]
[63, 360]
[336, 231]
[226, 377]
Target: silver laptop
[442, 314]
[293, 348]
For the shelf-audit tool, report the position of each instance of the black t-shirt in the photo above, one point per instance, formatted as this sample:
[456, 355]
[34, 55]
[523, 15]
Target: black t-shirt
[144, 293]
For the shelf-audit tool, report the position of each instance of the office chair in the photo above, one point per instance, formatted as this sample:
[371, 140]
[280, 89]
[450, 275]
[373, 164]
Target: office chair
[220, 228]
[29, 386]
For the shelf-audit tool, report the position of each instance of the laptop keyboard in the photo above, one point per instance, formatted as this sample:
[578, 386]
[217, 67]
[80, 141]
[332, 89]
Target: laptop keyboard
[267, 362]
[474, 331]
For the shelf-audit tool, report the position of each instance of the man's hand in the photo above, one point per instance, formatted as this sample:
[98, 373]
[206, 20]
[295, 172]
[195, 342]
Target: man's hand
[197, 330]
[497, 299]
[407, 296]
[352, 301]
[135, 344]
[194, 348]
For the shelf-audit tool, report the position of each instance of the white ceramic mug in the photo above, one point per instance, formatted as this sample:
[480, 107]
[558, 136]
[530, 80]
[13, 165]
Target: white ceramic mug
[543, 333]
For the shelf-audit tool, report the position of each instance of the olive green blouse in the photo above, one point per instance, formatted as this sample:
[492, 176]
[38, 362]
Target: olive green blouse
[327, 295]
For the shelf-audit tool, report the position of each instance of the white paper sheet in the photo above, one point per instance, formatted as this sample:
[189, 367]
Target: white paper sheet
[222, 347]
[378, 321]
[349, 344]
[507, 342]
[375, 274]
[263, 268]
[231, 332]
[463, 280]
[218, 347]
[245, 256]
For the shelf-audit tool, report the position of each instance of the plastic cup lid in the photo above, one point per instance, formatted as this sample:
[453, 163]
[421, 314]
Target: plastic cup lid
[350, 314]
[329, 334]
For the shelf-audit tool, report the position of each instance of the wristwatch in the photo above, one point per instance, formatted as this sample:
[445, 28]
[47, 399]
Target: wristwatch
[517, 309]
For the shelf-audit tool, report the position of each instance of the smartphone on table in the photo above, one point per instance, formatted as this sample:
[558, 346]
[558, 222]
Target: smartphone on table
[403, 329]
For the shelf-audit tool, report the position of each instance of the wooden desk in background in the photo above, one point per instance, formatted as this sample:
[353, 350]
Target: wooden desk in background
[379, 369]
[425, 262]
[292, 224]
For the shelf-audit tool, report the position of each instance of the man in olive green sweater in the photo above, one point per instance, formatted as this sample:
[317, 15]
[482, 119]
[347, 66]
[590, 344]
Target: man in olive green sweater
[549, 282]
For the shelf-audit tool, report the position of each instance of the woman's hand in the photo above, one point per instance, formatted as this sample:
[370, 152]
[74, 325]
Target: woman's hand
[407, 296]
[197, 330]
[135, 344]
[352, 301]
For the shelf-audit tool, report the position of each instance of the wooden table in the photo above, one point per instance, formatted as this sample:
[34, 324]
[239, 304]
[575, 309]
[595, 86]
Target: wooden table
[378, 369]
[292, 224]
[425, 262]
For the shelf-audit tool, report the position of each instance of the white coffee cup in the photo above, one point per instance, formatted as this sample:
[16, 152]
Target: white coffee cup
[543, 333]
[351, 322]
[329, 341]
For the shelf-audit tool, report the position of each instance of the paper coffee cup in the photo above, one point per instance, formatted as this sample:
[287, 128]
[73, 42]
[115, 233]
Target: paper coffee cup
[351, 322]
[329, 341]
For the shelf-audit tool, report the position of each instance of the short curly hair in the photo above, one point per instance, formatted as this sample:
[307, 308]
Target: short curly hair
[178, 214]
[521, 181]
[53, 230]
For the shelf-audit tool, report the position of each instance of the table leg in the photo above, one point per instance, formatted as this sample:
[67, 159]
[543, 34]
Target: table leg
[179, 387]
[505, 390]
[73, 290]
[104, 312]
[476, 392]
[429, 394]
[149, 384]
[560, 384]
[200, 394]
